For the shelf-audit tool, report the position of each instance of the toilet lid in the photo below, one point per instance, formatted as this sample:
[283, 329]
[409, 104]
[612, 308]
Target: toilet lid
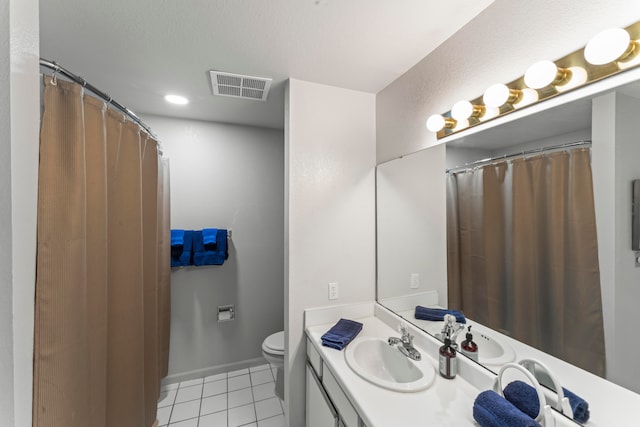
[275, 342]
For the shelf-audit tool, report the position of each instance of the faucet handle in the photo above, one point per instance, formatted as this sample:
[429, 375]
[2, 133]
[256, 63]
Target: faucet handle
[404, 330]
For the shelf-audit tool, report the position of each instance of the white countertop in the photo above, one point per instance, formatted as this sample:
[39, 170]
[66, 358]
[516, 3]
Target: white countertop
[444, 403]
[609, 403]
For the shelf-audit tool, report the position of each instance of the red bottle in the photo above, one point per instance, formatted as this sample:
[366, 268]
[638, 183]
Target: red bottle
[469, 348]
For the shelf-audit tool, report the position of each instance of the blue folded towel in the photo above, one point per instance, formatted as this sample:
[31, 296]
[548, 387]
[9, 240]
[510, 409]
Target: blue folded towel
[181, 253]
[209, 236]
[579, 406]
[341, 334]
[492, 410]
[523, 396]
[424, 313]
[204, 256]
[177, 237]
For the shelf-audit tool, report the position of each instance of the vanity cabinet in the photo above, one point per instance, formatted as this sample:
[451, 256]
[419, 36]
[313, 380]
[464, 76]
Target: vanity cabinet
[327, 404]
[320, 410]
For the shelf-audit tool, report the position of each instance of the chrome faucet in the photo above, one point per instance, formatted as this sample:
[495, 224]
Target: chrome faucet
[405, 343]
[450, 330]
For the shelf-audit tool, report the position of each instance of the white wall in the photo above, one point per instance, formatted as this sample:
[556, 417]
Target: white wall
[225, 176]
[19, 133]
[496, 47]
[615, 165]
[330, 216]
[409, 237]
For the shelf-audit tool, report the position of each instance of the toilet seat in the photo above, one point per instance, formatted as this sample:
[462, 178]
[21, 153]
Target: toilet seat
[274, 344]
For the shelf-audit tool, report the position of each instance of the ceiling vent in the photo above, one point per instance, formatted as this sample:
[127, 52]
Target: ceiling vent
[238, 86]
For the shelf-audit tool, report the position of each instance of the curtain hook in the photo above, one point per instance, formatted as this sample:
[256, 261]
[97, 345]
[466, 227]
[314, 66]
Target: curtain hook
[54, 77]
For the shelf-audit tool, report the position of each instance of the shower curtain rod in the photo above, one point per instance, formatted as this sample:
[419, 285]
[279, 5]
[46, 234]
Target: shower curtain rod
[520, 153]
[57, 69]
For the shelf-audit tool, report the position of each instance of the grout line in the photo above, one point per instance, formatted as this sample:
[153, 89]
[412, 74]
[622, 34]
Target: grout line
[255, 412]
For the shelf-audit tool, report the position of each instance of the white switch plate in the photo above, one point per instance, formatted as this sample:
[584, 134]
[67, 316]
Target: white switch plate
[333, 290]
[415, 280]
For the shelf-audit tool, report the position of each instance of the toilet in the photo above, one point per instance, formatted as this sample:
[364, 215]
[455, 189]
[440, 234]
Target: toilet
[273, 351]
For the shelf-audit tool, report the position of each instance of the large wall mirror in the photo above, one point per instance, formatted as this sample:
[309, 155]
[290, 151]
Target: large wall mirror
[412, 221]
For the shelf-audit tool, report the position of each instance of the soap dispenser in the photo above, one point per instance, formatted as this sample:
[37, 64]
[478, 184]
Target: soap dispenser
[448, 361]
[469, 348]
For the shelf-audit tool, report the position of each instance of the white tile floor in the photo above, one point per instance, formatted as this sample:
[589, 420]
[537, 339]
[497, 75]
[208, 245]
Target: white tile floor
[245, 397]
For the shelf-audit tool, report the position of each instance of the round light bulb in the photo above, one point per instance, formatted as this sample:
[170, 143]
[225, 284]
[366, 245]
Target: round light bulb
[462, 110]
[496, 95]
[176, 99]
[541, 74]
[529, 96]
[607, 46]
[435, 123]
[578, 77]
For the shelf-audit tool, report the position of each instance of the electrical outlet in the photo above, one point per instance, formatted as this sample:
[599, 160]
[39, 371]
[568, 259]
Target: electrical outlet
[333, 290]
[415, 280]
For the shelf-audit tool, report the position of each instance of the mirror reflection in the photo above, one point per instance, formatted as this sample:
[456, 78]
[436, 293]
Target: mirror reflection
[536, 242]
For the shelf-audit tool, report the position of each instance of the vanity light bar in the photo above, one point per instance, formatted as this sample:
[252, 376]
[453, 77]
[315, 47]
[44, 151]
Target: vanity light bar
[607, 53]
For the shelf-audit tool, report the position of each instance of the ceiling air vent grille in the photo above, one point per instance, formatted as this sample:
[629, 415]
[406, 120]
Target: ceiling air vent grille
[239, 86]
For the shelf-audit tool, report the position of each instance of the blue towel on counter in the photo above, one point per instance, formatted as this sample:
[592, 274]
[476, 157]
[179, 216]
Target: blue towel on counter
[341, 334]
[492, 410]
[181, 253]
[435, 314]
[209, 237]
[579, 406]
[525, 398]
[202, 256]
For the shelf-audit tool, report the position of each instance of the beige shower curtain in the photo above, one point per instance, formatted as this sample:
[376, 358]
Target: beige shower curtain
[102, 288]
[523, 253]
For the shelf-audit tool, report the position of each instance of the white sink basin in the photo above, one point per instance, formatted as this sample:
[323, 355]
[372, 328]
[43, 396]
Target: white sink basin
[382, 364]
[491, 350]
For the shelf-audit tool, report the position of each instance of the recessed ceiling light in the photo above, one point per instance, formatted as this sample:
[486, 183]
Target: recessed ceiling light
[176, 99]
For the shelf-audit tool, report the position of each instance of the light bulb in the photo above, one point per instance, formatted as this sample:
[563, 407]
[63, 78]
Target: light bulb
[462, 110]
[497, 95]
[545, 73]
[490, 113]
[578, 77]
[608, 46]
[176, 99]
[435, 123]
[529, 96]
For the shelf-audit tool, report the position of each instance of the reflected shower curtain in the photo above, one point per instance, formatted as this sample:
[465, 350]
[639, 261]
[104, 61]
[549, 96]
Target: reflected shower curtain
[523, 253]
[102, 287]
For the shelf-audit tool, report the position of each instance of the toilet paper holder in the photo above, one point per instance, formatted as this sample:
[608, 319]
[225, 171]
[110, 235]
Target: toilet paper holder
[226, 313]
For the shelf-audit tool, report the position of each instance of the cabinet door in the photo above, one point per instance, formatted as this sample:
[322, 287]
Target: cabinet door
[320, 411]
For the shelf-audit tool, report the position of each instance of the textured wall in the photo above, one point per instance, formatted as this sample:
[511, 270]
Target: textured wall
[329, 177]
[225, 176]
[496, 47]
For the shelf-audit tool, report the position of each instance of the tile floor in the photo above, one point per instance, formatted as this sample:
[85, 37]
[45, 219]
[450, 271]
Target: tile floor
[245, 397]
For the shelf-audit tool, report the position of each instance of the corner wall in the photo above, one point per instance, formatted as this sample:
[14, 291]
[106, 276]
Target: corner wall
[225, 176]
[19, 136]
[330, 212]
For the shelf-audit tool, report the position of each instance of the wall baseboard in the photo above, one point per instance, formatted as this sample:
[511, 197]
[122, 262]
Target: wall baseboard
[212, 370]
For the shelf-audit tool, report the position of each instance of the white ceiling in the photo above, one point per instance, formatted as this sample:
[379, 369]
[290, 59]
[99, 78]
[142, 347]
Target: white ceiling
[137, 51]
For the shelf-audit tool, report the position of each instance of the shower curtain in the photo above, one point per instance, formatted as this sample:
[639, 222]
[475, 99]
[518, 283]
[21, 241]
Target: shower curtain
[102, 287]
[523, 253]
